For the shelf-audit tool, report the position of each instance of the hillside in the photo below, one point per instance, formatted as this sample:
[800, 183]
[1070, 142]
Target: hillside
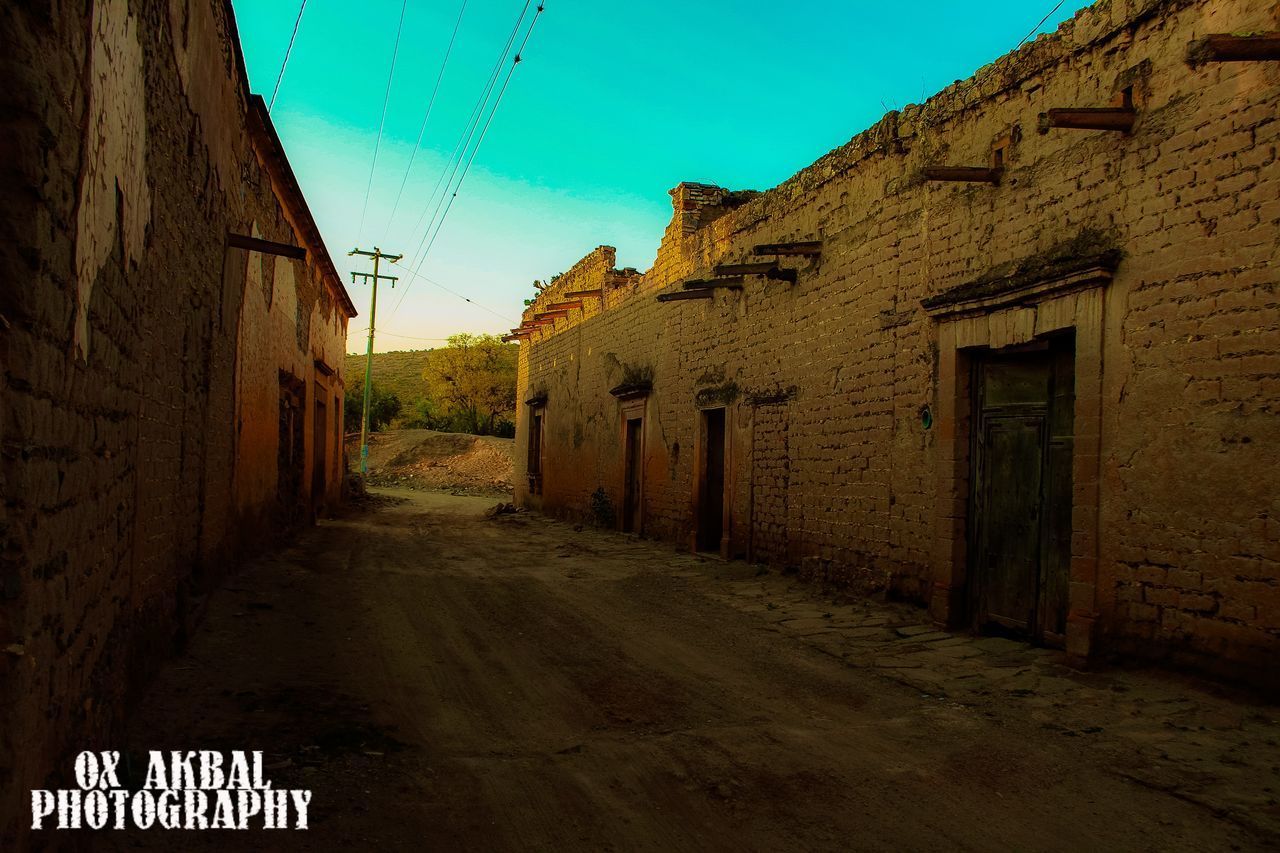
[398, 372]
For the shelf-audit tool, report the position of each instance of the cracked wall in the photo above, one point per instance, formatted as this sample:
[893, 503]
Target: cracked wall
[129, 153]
[1187, 537]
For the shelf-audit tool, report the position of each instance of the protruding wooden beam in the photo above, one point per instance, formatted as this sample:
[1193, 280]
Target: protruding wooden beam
[266, 247]
[582, 294]
[542, 315]
[805, 247]
[1119, 119]
[734, 281]
[565, 306]
[541, 321]
[1258, 47]
[969, 174]
[506, 339]
[759, 268]
[681, 295]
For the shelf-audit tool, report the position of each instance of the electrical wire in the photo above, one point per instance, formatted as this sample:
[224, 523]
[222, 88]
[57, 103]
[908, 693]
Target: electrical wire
[395, 51]
[964, 93]
[464, 141]
[1037, 27]
[423, 253]
[435, 283]
[382, 332]
[427, 115]
[288, 50]
[483, 131]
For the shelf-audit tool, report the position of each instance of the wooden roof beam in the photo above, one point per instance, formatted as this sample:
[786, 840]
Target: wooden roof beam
[266, 247]
[759, 268]
[565, 306]
[1224, 47]
[734, 281]
[542, 315]
[681, 295]
[968, 174]
[804, 247]
[1119, 119]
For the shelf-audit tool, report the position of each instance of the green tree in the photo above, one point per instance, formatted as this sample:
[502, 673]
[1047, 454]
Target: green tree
[383, 407]
[473, 380]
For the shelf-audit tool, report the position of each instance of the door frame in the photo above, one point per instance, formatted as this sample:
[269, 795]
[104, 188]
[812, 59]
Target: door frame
[983, 415]
[700, 477]
[634, 409]
[1074, 302]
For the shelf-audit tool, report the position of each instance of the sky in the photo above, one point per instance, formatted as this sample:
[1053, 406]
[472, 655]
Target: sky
[612, 105]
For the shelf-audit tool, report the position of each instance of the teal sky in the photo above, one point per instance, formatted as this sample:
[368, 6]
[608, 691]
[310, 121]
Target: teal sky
[614, 104]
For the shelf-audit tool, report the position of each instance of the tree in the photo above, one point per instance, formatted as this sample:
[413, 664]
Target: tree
[474, 379]
[383, 407]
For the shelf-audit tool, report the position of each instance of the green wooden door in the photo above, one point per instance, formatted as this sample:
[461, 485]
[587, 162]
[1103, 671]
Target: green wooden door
[1020, 531]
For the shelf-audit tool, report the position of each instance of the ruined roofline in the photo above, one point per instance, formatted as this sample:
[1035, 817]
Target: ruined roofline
[595, 270]
[265, 139]
[1010, 71]
[260, 125]
[1097, 24]
[1007, 72]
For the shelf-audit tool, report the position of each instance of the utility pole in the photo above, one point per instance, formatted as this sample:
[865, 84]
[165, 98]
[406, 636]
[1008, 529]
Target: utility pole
[377, 255]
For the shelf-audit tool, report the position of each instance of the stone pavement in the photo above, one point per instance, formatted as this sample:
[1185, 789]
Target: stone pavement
[1193, 739]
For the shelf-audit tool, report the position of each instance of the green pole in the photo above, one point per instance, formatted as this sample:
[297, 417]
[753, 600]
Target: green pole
[368, 371]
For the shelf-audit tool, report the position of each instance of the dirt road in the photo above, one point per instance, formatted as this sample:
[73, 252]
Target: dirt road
[443, 681]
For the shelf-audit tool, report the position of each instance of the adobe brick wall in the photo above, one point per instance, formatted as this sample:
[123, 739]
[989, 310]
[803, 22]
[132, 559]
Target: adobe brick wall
[1177, 533]
[126, 160]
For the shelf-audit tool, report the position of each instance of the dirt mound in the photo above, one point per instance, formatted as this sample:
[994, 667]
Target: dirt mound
[446, 461]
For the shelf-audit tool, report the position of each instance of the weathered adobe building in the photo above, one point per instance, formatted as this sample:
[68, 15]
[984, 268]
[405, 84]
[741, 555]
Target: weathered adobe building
[170, 401]
[1036, 393]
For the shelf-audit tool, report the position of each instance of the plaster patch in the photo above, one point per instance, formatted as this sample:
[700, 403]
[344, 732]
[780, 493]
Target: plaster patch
[115, 157]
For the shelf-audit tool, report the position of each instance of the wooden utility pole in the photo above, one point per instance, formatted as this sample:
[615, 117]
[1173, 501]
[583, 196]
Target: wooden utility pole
[377, 255]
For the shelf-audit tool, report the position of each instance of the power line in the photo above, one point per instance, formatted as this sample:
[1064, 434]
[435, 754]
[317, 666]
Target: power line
[427, 115]
[464, 141]
[1037, 27]
[435, 283]
[964, 93]
[385, 333]
[421, 258]
[479, 141]
[288, 50]
[395, 51]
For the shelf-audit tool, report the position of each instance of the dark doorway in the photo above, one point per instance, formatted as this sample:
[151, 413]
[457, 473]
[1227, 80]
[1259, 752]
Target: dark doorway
[533, 464]
[631, 498]
[319, 452]
[711, 485]
[1021, 502]
[289, 457]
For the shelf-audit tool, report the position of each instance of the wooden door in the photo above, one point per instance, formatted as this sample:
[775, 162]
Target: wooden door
[1021, 508]
[319, 451]
[631, 500]
[533, 462]
[711, 491]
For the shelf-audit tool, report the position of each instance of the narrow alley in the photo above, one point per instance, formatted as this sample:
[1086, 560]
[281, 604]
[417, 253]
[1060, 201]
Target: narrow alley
[445, 678]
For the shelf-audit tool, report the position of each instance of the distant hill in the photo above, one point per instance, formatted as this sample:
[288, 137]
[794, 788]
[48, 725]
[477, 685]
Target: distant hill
[399, 372]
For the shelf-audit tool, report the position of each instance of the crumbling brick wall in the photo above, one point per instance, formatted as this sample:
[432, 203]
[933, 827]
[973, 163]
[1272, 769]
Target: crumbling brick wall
[1184, 551]
[770, 480]
[125, 151]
